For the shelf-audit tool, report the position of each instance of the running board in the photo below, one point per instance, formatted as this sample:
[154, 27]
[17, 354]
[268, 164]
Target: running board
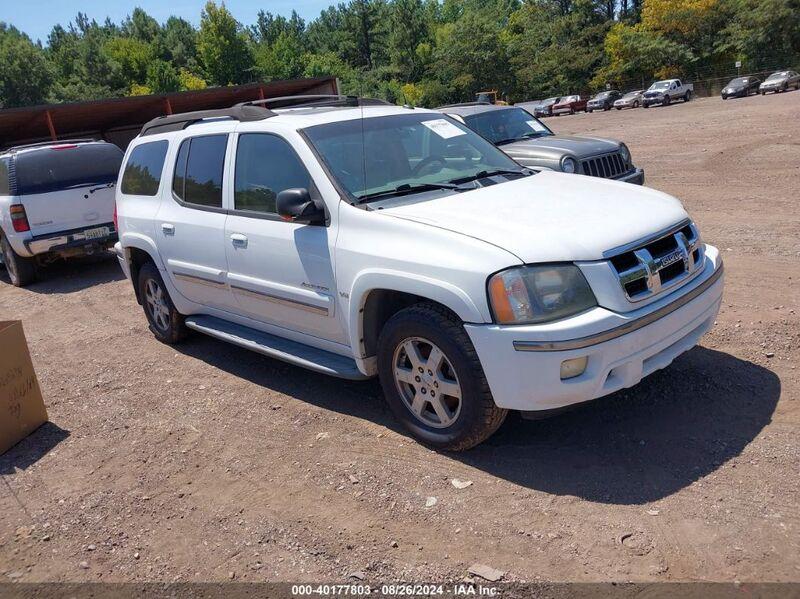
[273, 346]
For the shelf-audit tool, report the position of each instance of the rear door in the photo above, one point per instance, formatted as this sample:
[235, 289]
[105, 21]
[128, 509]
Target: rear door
[68, 187]
[190, 223]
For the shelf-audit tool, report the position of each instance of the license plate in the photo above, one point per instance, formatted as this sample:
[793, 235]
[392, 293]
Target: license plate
[98, 233]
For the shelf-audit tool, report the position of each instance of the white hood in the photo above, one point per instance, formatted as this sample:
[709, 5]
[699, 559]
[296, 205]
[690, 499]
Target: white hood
[551, 217]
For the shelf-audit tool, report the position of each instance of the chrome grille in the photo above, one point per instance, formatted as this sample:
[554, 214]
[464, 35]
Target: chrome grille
[608, 166]
[660, 263]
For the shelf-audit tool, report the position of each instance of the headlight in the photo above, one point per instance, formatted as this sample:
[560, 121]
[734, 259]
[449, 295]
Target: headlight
[568, 165]
[532, 294]
[626, 153]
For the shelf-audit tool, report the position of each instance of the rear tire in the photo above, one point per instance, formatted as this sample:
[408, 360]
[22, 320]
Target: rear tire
[21, 271]
[166, 323]
[666, 101]
[687, 96]
[423, 351]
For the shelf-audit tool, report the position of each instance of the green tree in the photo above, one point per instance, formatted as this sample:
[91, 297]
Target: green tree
[176, 43]
[141, 26]
[162, 77]
[222, 47]
[408, 31]
[25, 76]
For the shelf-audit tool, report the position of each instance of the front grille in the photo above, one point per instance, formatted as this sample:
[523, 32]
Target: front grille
[608, 166]
[660, 263]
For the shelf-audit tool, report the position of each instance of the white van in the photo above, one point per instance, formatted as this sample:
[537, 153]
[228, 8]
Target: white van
[56, 201]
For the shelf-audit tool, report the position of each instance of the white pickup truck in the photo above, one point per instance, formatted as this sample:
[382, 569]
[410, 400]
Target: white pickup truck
[664, 92]
[359, 239]
[56, 201]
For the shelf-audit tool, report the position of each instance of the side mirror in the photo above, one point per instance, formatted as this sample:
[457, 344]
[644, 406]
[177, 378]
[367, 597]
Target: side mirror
[295, 205]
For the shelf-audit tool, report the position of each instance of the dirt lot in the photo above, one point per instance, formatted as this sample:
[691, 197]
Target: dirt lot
[205, 462]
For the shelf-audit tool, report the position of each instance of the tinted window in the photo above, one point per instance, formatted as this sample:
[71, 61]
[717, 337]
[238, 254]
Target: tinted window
[506, 125]
[265, 166]
[68, 166]
[142, 174]
[5, 185]
[198, 170]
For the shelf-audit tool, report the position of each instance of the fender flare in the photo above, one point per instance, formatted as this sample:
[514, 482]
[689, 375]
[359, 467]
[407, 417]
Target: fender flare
[442, 292]
[130, 240]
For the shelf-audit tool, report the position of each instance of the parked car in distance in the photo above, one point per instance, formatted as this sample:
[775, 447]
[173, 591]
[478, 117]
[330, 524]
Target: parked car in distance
[740, 87]
[545, 108]
[532, 144]
[569, 105]
[56, 201]
[529, 105]
[603, 101]
[632, 99]
[361, 240]
[780, 81]
[664, 92]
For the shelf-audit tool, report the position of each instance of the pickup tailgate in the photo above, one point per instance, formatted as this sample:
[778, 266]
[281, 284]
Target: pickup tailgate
[68, 187]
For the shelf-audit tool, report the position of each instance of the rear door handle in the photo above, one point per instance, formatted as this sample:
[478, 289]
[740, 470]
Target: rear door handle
[239, 240]
[168, 228]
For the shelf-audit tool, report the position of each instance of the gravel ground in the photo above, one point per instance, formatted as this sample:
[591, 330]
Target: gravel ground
[206, 462]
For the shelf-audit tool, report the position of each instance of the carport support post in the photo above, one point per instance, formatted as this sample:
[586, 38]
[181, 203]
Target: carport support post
[167, 106]
[48, 117]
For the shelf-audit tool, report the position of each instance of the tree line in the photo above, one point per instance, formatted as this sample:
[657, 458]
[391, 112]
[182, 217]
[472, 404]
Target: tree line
[422, 52]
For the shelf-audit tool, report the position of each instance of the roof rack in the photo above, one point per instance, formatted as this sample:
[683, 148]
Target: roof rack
[465, 104]
[41, 144]
[176, 122]
[315, 101]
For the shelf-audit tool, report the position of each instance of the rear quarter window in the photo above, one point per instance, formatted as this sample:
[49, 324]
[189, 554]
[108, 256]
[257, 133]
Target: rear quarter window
[142, 175]
[5, 183]
[65, 167]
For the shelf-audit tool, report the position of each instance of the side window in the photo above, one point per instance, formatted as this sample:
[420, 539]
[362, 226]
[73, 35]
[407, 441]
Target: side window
[198, 170]
[265, 166]
[142, 175]
[5, 184]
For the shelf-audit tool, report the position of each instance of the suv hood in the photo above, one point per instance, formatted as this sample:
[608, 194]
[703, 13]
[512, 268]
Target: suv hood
[557, 145]
[550, 217]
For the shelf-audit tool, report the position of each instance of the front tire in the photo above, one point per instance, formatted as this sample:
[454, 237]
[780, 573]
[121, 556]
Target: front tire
[666, 101]
[166, 323]
[433, 380]
[21, 271]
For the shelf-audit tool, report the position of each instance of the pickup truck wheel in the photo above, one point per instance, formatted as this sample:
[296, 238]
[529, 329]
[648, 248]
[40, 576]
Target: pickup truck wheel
[666, 101]
[165, 321]
[433, 379]
[21, 271]
[687, 96]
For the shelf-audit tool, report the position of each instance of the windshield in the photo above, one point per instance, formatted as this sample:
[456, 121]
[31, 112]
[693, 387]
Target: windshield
[774, 76]
[378, 155]
[506, 125]
[602, 95]
[660, 85]
[739, 81]
[550, 101]
[632, 94]
[68, 166]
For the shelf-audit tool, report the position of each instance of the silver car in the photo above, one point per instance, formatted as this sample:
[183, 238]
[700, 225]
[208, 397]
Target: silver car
[630, 100]
[780, 81]
[531, 143]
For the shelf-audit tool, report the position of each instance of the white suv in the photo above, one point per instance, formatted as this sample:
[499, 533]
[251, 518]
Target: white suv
[56, 201]
[359, 239]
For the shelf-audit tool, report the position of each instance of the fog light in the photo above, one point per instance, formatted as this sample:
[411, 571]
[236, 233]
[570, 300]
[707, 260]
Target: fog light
[574, 367]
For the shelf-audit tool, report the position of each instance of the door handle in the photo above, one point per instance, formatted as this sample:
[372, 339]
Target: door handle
[239, 240]
[168, 229]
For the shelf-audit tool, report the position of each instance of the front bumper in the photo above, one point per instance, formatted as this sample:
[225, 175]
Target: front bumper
[636, 176]
[70, 240]
[523, 363]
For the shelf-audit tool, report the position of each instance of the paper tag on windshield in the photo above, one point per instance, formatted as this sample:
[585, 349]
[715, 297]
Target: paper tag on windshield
[536, 126]
[443, 128]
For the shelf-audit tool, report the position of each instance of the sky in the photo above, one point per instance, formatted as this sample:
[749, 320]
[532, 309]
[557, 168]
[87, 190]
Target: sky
[37, 17]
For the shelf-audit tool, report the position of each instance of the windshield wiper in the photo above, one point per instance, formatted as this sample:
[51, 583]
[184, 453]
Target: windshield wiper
[489, 173]
[522, 137]
[405, 189]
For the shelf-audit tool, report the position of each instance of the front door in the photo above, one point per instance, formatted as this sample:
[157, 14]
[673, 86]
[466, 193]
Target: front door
[190, 226]
[279, 272]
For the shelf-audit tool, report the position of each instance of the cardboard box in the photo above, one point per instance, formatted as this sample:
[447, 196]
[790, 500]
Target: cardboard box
[22, 408]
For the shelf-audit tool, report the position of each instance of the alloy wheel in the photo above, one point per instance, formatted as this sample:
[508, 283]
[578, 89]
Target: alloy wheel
[427, 382]
[156, 304]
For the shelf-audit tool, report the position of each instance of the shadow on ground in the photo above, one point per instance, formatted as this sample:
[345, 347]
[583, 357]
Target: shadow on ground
[635, 446]
[74, 275]
[32, 448]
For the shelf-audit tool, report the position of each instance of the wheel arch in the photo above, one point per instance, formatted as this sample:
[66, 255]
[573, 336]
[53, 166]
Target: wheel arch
[139, 250]
[377, 296]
